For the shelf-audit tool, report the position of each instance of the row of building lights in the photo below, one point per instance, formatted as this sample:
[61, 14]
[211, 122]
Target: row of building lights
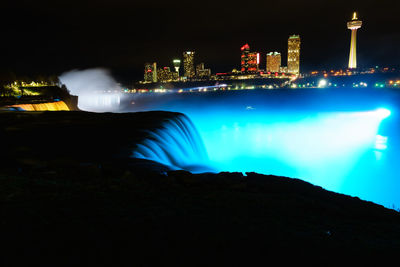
[154, 74]
[250, 65]
[250, 61]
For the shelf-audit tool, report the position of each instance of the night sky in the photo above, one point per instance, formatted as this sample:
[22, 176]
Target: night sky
[50, 37]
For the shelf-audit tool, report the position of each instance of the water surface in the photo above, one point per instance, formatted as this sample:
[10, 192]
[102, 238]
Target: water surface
[334, 139]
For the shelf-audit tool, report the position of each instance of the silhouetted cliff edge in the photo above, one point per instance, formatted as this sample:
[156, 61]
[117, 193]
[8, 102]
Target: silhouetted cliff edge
[82, 208]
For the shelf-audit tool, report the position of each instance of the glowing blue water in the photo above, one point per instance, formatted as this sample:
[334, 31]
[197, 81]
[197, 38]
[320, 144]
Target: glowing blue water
[328, 139]
[176, 144]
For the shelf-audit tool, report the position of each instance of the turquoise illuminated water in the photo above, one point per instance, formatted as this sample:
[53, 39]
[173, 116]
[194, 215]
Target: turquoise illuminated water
[334, 139]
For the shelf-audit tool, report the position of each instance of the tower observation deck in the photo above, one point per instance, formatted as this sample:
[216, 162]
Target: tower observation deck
[353, 25]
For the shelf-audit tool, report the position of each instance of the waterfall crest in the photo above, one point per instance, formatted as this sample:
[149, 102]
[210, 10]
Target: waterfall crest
[50, 106]
[176, 143]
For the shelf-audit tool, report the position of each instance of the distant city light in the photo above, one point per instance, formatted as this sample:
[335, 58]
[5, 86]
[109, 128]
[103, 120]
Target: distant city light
[322, 83]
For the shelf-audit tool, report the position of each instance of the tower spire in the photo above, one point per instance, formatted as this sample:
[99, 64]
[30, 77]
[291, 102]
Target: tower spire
[353, 25]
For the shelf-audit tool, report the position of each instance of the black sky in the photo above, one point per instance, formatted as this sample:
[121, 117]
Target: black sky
[51, 37]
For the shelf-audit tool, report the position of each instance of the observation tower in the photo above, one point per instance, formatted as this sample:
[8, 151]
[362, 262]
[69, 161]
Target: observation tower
[353, 25]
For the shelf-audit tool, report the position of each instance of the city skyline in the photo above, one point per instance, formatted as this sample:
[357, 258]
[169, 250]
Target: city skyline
[249, 64]
[56, 37]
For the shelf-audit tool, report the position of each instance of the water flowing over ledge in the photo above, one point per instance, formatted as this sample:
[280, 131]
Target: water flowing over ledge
[176, 143]
[44, 137]
[342, 140]
[50, 106]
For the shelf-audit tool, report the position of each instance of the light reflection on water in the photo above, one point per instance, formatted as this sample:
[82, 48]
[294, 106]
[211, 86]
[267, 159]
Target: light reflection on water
[323, 139]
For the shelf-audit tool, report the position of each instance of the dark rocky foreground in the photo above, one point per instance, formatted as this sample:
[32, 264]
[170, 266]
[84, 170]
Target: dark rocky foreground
[69, 193]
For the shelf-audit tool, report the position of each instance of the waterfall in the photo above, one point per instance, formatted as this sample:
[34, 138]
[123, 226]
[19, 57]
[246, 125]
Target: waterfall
[50, 106]
[176, 143]
[99, 102]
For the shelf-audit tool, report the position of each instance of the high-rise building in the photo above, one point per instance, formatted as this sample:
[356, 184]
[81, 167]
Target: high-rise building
[188, 64]
[175, 76]
[164, 74]
[177, 65]
[201, 72]
[244, 65]
[353, 25]
[206, 73]
[273, 62]
[150, 72]
[199, 68]
[249, 60]
[254, 62]
[293, 61]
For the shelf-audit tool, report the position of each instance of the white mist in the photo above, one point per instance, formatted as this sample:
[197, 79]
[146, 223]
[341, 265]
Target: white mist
[96, 89]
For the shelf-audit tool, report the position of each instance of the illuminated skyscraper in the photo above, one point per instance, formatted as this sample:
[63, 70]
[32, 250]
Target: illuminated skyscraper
[254, 61]
[199, 67]
[177, 65]
[150, 72]
[244, 61]
[249, 60]
[273, 62]
[353, 25]
[293, 61]
[201, 72]
[164, 74]
[188, 64]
